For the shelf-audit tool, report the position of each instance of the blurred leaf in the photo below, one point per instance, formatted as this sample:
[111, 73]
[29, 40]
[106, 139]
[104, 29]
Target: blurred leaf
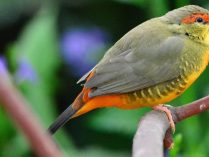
[99, 152]
[116, 120]
[38, 45]
[67, 146]
[177, 146]
[7, 130]
[12, 10]
[162, 6]
[182, 3]
[16, 147]
[133, 2]
[161, 9]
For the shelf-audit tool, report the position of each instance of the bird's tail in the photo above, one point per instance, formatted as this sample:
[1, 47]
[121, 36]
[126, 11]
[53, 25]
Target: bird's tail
[61, 120]
[67, 114]
[84, 104]
[72, 110]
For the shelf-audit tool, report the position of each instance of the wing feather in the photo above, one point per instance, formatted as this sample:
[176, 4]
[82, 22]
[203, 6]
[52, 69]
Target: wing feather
[137, 65]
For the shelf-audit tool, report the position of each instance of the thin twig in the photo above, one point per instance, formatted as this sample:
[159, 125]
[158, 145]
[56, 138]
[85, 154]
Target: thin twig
[153, 128]
[18, 109]
[194, 108]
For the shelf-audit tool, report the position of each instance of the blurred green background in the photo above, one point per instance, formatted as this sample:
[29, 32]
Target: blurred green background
[48, 45]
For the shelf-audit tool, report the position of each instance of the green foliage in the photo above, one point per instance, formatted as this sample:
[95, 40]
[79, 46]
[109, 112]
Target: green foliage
[38, 46]
[177, 145]
[104, 121]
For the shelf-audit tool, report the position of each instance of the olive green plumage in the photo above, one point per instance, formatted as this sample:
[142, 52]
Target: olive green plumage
[156, 52]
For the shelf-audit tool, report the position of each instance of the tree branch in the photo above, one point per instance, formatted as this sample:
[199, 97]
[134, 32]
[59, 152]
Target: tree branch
[182, 112]
[18, 109]
[148, 140]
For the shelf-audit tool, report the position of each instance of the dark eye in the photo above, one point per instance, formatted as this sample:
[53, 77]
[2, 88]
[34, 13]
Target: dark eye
[200, 20]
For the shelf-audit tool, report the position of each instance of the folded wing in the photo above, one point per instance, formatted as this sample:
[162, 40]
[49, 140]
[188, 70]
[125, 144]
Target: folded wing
[136, 67]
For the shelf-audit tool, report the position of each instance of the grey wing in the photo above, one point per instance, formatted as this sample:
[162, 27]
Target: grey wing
[137, 68]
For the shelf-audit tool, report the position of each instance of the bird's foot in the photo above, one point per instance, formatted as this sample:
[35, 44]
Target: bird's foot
[165, 109]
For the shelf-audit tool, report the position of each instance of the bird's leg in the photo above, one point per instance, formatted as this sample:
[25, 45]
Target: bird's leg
[168, 113]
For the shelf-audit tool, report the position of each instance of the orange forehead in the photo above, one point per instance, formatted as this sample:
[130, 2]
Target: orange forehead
[192, 18]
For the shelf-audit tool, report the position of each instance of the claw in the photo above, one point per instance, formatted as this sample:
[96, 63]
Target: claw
[169, 115]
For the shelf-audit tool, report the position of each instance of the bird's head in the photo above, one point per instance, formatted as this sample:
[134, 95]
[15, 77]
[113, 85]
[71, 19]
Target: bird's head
[192, 21]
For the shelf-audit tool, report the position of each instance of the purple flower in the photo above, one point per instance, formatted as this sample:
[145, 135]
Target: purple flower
[25, 72]
[82, 47]
[3, 66]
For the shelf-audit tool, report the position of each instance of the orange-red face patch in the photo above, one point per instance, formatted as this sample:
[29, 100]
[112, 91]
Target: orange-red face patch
[196, 17]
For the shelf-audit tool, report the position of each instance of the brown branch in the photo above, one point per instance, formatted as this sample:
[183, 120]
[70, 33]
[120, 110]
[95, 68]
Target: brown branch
[194, 108]
[18, 109]
[154, 127]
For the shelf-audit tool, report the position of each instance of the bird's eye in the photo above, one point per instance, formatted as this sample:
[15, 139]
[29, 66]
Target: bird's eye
[200, 20]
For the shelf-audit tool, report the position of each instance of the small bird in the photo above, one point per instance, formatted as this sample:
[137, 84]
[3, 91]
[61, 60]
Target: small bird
[151, 65]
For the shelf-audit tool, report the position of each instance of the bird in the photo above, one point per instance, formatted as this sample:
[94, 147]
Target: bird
[151, 65]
